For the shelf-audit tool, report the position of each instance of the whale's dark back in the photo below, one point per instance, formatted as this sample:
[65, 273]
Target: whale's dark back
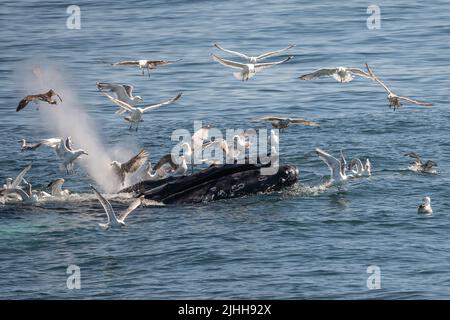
[216, 182]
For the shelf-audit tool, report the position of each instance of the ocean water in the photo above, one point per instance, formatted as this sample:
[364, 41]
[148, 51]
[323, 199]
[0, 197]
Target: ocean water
[308, 242]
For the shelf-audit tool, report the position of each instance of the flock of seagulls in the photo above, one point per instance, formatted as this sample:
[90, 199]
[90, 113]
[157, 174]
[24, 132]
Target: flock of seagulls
[129, 105]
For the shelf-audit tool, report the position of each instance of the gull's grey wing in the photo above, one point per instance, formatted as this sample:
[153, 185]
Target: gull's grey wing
[228, 63]
[136, 162]
[166, 159]
[375, 78]
[164, 103]
[232, 52]
[18, 180]
[271, 53]
[359, 72]
[305, 122]
[106, 205]
[270, 118]
[136, 203]
[126, 63]
[326, 72]
[419, 103]
[261, 66]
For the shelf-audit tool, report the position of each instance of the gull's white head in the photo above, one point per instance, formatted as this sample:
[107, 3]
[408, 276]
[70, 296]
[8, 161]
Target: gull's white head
[427, 201]
[138, 98]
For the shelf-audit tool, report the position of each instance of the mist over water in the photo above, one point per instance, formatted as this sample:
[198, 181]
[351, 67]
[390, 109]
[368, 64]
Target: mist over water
[69, 119]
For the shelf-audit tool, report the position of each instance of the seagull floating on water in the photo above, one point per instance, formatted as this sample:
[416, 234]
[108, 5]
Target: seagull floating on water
[144, 64]
[425, 207]
[254, 59]
[281, 123]
[359, 169]
[132, 165]
[247, 70]
[113, 221]
[337, 167]
[46, 97]
[123, 92]
[420, 166]
[395, 100]
[341, 74]
[136, 113]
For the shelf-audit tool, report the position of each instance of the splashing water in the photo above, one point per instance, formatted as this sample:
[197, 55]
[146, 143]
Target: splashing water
[68, 118]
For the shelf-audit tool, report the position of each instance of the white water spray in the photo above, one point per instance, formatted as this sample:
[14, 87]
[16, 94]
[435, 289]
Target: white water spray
[68, 118]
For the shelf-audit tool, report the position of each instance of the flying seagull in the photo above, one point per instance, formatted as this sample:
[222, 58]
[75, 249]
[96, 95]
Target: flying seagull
[56, 144]
[419, 165]
[123, 92]
[29, 147]
[136, 113]
[46, 97]
[144, 64]
[337, 167]
[132, 165]
[69, 155]
[255, 59]
[247, 70]
[56, 186]
[395, 100]
[281, 123]
[341, 74]
[425, 207]
[113, 221]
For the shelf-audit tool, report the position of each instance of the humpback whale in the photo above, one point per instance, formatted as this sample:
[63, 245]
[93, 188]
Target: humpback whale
[215, 183]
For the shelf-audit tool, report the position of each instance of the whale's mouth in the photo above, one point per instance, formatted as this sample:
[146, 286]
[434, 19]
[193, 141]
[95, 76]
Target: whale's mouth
[287, 176]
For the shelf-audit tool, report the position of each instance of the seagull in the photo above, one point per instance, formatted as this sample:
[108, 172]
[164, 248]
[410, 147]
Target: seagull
[47, 97]
[132, 165]
[340, 74]
[136, 113]
[281, 123]
[56, 185]
[29, 147]
[255, 59]
[123, 92]
[425, 207]
[419, 165]
[57, 145]
[168, 165]
[10, 183]
[27, 195]
[144, 64]
[337, 167]
[361, 169]
[113, 221]
[150, 175]
[394, 100]
[69, 155]
[247, 70]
